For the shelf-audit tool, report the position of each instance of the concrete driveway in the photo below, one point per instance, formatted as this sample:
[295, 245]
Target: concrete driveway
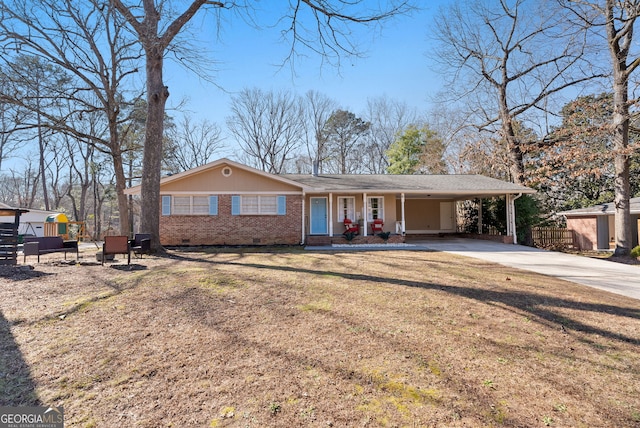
[614, 277]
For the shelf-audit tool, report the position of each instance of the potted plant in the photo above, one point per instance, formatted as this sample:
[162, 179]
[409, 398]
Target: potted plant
[384, 236]
[349, 236]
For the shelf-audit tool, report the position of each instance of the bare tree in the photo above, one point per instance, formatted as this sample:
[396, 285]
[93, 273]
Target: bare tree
[81, 156]
[389, 118]
[453, 125]
[317, 110]
[507, 59]
[20, 189]
[10, 115]
[35, 86]
[101, 191]
[194, 144]
[326, 31]
[344, 133]
[55, 174]
[268, 126]
[89, 40]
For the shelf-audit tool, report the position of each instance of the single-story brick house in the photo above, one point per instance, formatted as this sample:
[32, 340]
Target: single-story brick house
[228, 203]
[594, 226]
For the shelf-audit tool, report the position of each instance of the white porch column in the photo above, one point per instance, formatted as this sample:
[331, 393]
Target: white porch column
[402, 224]
[479, 205]
[364, 214]
[330, 214]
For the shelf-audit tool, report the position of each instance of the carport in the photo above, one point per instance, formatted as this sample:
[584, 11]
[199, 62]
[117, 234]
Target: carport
[409, 204]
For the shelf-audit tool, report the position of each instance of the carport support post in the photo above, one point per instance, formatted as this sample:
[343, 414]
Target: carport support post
[511, 216]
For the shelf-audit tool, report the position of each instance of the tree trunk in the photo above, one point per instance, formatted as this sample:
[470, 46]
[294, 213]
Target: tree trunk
[152, 158]
[620, 41]
[516, 162]
[123, 205]
[41, 164]
[516, 167]
[620, 134]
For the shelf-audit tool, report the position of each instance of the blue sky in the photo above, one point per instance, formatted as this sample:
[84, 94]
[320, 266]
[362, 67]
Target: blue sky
[394, 65]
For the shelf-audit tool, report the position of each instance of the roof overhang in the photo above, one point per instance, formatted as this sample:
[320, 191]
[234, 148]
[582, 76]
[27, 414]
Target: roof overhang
[459, 187]
[10, 212]
[593, 213]
[604, 209]
[412, 194]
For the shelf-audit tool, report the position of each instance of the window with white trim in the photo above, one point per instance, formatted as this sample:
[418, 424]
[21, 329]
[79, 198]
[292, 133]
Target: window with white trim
[249, 205]
[181, 205]
[194, 205]
[375, 208]
[200, 205]
[259, 205]
[346, 208]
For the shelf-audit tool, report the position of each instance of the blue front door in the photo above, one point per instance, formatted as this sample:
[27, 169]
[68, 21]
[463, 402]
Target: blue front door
[318, 216]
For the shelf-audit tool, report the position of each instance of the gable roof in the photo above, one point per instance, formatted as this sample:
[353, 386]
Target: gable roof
[211, 165]
[602, 209]
[424, 185]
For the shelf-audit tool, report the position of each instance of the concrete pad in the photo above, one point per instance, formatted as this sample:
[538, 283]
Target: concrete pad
[606, 275]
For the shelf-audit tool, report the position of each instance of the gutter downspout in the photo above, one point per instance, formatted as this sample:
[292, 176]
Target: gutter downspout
[304, 198]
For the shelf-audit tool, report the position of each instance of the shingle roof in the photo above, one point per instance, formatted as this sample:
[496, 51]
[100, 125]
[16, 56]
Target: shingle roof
[418, 184]
[450, 186]
[603, 209]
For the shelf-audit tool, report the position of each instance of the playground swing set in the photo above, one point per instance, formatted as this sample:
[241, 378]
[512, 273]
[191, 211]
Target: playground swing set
[59, 225]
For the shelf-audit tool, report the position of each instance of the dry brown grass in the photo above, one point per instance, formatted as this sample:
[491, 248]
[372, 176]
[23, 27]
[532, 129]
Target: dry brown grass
[285, 338]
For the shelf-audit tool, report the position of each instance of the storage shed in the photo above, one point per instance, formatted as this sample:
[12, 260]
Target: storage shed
[594, 226]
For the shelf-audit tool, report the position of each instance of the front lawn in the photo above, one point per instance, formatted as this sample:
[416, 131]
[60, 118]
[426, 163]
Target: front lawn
[284, 338]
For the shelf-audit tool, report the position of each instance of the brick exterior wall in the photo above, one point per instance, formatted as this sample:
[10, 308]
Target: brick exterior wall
[323, 240]
[586, 232]
[227, 229]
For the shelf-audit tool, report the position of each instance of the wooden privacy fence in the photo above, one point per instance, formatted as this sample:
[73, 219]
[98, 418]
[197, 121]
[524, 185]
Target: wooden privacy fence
[552, 237]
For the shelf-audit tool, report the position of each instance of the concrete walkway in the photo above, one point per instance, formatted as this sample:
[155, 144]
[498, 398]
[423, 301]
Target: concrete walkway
[610, 276]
